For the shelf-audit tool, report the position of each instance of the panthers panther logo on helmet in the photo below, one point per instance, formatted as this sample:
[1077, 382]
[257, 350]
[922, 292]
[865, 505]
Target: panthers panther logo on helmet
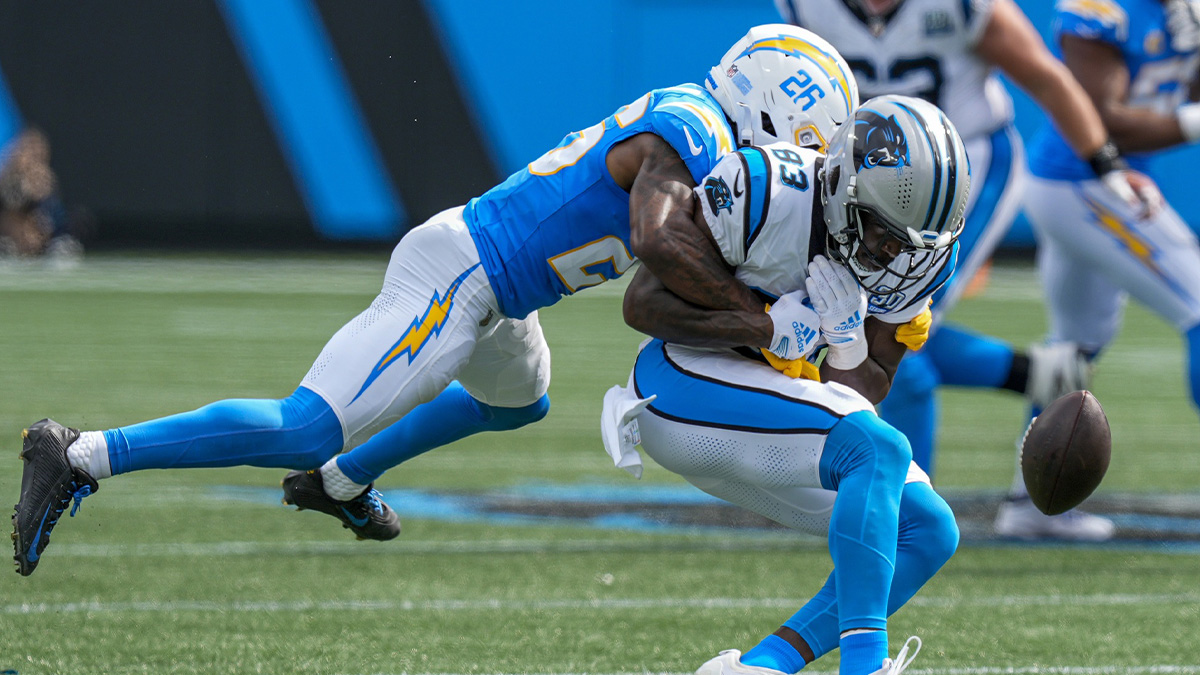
[881, 144]
[718, 193]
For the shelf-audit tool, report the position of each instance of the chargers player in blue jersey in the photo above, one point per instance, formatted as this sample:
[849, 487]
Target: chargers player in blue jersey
[951, 53]
[1138, 60]
[864, 237]
[452, 346]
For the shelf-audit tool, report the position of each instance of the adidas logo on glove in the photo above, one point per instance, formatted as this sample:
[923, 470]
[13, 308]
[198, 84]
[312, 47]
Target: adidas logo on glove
[805, 336]
[850, 324]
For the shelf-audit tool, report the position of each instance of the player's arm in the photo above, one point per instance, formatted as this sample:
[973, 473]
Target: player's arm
[873, 377]
[664, 234]
[1011, 43]
[651, 308]
[1103, 74]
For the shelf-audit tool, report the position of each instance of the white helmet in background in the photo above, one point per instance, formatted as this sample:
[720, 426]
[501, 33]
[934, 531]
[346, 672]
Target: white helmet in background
[783, 83]
[899, 163]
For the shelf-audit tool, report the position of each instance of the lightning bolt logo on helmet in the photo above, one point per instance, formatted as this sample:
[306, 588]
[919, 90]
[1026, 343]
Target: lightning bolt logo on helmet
[420, 332]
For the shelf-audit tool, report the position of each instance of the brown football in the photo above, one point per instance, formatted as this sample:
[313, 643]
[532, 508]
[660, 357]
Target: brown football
[1065, 452]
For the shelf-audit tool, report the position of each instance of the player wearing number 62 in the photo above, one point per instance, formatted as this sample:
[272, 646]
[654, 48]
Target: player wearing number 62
[452, 346]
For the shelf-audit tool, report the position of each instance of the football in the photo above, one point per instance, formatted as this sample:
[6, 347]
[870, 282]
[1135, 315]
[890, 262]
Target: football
[1065, 452]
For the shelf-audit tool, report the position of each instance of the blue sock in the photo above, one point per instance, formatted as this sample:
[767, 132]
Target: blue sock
[298, 432]
[866, 461]
[863, 653]
[911, 406]
[1193, 351]
[927, 537]
[775, 653]
[452, 415]
[967, 359]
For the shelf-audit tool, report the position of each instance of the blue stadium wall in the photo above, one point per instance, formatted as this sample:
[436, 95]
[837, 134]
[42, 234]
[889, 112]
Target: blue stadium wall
[201, 122]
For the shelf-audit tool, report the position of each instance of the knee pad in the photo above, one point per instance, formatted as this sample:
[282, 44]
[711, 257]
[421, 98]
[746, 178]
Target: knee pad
[505, 419]
[927, 524]
[863, 439]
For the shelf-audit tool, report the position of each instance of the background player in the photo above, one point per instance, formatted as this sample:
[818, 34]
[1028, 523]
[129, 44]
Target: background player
[947, 51]
[814, 456]
[1137, 59]
[452, 345]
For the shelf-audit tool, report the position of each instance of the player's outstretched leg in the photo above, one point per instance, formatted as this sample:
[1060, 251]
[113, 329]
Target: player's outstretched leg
[298, 432]
[365, 514]
[453, 415]
[927, 538]
[48, 484]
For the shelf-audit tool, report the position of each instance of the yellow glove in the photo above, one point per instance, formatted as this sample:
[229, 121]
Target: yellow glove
[797, 368]
[914, 333]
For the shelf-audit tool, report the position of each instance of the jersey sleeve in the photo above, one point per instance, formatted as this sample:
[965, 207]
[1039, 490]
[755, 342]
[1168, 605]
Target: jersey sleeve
[695, 129]
[976, 15]
[1102, 20]
[724, 214]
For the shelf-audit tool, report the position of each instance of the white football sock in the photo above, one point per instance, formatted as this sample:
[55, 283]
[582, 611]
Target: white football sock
[89, 452]
[337, 485]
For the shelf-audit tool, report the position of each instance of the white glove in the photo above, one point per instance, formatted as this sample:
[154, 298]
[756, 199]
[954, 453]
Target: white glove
[842, 304]
[1136, 189]
[797, 327]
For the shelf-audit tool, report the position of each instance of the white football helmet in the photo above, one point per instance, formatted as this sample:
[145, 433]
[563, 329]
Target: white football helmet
[899, 163]
[783, 83]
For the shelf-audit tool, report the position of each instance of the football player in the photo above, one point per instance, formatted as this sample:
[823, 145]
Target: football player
[451, 346]
[862, 238]
[1138, 61]
[948, 52]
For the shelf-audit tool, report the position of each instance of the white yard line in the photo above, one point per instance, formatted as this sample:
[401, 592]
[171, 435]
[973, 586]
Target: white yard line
[603, 604]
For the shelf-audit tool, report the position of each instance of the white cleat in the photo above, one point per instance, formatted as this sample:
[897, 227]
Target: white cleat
[1020, 519]
[729, 662]
[1054, 370]
[901, 662]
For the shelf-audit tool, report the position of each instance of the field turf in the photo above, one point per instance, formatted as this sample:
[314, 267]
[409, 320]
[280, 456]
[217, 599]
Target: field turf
[204, 571]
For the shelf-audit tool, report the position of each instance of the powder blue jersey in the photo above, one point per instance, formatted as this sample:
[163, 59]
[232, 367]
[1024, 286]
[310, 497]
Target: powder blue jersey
[561, 224]
[1159, 74]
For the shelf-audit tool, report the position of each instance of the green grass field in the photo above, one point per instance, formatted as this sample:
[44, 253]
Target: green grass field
[203, 571]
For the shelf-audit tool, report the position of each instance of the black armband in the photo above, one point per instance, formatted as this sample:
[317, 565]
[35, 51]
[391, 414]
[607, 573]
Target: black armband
[1107, 159]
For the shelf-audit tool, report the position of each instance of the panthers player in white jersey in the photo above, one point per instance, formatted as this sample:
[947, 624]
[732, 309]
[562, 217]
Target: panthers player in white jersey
[863, 238]
[1139, 61]
[948, 52]
[452, 345]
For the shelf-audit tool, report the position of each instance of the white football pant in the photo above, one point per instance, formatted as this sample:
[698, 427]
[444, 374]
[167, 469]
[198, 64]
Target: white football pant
[436, 320]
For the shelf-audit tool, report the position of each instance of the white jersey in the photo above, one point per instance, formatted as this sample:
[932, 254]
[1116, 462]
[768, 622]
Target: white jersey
[922, 48]
[763, 207]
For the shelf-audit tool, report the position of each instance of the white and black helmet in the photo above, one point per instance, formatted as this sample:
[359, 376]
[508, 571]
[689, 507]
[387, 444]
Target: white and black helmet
[901, 163]
[783, 83]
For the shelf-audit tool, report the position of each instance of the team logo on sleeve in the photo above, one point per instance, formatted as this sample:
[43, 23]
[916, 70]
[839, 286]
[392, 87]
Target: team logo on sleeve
[718, 194]
[879, 141]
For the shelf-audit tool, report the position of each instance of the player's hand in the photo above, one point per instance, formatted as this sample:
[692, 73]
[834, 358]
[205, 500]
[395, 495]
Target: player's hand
[800, 368]
[915, 333]
[797, 327]
[842, 304]
[1135, 189]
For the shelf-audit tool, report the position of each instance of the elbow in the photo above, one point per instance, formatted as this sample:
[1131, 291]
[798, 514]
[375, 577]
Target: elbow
[632, 311]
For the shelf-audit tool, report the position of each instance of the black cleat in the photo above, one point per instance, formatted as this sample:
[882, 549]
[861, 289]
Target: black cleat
[48, 484]
[366, 515]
